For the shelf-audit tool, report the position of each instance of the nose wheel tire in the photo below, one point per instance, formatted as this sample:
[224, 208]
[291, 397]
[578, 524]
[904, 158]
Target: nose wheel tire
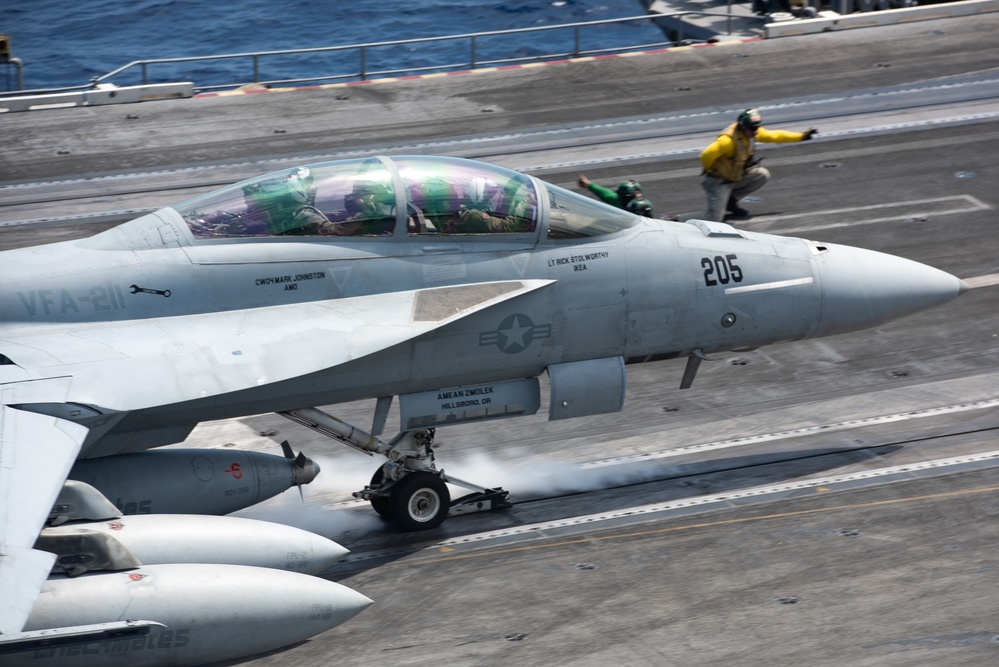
[380, 504]
[419, 501]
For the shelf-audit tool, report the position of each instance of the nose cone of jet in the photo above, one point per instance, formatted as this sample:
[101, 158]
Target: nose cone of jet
[865, 288]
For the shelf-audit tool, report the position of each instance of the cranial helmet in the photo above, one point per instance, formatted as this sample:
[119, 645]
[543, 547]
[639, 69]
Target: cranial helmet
[628, 190]
[641, 206]
[750, 119]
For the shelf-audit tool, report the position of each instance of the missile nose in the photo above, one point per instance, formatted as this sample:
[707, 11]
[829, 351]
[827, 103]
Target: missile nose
[305, 470]
[864, 288]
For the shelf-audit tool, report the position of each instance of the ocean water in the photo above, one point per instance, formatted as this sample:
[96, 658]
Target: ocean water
[67, 43]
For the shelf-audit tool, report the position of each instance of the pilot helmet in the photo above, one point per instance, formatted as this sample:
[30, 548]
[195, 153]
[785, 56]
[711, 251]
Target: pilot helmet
[481, 190]
[376, 191]
[641, 206]
[299, 175]
[750, 119]
[628, 190]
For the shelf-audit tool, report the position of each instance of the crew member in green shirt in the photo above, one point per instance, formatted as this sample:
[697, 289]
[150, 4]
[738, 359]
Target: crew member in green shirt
[628, 195]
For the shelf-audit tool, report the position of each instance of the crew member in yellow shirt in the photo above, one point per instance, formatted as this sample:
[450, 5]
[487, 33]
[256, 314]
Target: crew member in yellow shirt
[730, 169]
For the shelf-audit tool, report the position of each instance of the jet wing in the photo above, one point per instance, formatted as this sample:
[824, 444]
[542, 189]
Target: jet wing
[195, 356]
[111, 364]
[36, 453]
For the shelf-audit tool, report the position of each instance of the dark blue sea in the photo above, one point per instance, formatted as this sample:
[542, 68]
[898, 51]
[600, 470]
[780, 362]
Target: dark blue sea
[67, 43]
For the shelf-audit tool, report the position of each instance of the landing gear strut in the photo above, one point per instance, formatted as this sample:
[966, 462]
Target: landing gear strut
[408, 489]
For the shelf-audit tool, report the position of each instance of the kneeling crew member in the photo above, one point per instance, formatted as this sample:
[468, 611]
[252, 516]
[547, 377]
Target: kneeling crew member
[730, 170]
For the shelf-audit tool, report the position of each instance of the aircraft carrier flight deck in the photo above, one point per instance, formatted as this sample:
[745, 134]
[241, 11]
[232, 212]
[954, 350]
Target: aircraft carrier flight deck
[822, 502]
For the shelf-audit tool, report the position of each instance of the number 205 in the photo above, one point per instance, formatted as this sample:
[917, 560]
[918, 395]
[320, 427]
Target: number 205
[721, 270]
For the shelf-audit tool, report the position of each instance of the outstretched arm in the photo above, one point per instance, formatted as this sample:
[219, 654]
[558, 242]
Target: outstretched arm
[784, 136]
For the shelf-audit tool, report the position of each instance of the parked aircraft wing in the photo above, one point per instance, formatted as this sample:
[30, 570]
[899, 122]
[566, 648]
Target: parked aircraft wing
[206, 354]
[36, 453]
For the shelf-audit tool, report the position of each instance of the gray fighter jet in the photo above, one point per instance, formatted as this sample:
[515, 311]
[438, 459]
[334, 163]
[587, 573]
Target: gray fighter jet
[448, 283]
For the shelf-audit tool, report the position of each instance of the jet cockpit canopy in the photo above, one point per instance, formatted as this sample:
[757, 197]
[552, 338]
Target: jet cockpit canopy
[397, 197]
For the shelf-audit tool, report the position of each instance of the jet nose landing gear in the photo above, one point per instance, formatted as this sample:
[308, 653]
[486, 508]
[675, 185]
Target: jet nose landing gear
[419, 501]
[408, 489]
[413, 493]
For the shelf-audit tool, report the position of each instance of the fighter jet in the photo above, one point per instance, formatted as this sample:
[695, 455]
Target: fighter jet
[447, 284]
